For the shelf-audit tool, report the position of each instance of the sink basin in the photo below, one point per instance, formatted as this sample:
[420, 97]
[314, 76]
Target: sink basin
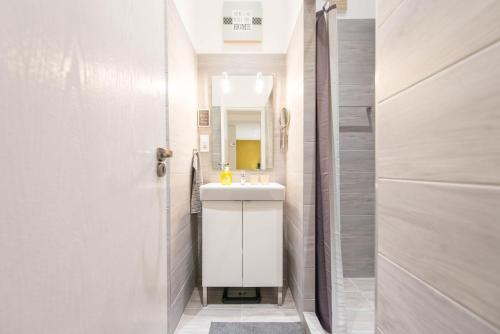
[239, 192]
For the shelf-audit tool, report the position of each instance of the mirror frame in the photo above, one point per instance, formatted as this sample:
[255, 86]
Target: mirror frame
[267, 127]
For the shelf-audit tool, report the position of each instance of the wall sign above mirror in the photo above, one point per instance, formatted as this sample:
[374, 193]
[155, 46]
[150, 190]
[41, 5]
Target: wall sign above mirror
[242, 121]
[242, 21]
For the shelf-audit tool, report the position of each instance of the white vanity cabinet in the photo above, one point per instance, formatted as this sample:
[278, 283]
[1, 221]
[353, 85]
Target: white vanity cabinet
[262, 243]
[242, 241]
[222, 242]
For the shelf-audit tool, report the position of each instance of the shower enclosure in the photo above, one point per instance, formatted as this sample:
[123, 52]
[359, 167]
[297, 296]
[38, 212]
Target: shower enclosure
[356, 47]
[345, 71]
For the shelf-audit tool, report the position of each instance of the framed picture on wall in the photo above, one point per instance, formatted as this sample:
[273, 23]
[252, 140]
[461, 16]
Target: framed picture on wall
[203, 118]
[242, 21]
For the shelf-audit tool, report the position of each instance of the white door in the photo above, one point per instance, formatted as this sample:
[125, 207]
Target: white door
[262, 243]
[222, 244]
[82, 212]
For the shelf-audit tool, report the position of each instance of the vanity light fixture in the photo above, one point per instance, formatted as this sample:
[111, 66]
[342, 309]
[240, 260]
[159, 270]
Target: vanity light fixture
[259, 83]
[225, 83]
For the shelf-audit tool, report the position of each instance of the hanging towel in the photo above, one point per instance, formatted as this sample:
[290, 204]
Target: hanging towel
[196, 182]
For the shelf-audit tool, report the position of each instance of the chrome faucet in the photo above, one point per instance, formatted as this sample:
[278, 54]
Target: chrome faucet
[243, 178]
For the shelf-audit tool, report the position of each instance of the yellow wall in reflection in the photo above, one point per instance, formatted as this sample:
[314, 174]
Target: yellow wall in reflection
[247, 154]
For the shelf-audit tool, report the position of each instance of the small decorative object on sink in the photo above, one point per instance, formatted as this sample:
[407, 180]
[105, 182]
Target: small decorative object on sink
[225, 175]
[243, 178]
[264, 178]
[254, 179]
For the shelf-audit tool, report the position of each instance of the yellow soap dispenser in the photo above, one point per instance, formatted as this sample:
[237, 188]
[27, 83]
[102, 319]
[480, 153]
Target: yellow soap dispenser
[226, 176]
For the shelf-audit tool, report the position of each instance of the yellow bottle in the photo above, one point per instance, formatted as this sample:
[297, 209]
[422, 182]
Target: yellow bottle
[226, 176]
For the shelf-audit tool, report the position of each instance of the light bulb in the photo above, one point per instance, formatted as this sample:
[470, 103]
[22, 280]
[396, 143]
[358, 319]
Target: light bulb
[225, 83]
[259, 83]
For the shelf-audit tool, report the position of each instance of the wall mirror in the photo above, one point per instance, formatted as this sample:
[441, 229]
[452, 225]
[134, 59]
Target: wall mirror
[242, 121]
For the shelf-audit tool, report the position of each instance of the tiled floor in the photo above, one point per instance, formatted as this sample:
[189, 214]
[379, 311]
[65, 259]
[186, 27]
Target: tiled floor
[359, 294]
[197, 319]
[359, 302]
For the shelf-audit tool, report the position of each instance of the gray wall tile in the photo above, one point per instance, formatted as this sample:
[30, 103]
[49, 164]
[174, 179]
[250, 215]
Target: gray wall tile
[357, 161]
[357, 94]
[363, 139]
[357, 74]
[354, 226]
[357, 182]
[437, 167]
[356, 117]
[447, 233]
[357, 170]
[357, 203]
[358, 254]
[357, 52]
[356, 30]
[406, 304]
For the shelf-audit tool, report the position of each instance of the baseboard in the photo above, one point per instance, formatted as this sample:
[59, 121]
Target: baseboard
[312, 324]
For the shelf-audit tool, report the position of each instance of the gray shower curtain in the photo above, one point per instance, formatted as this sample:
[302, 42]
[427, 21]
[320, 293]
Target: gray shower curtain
[329, 273]
[324, 161]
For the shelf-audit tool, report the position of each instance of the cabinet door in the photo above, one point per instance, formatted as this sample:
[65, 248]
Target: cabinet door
[262, 243]
[222, 244]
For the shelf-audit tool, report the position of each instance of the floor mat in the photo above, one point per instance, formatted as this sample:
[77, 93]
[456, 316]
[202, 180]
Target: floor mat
[256, 328]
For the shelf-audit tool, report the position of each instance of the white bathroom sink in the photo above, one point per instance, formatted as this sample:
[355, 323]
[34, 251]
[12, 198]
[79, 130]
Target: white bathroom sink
[242, 192]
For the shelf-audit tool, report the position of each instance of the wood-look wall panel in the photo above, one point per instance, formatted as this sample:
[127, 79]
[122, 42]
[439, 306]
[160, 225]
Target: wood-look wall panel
[407, 305]
[354, 226]
[356, 145]
[356, 95]
[294, 173]
[447, 128]
[447, 235]
[422, 38]
[357, 203]
[309, 148]
[242, 63]
[357, 117]
[357, 74]
[356, 30]
[358, 52]
[357, 161]
[385, 8]
[357, 140]
[358, 254]
[182, 104]
[357, 182]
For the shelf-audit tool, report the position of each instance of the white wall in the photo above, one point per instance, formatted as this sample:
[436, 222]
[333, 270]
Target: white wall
[203, 20]
[186, 10]
[242, 92]
[356, 9]
[248, 131]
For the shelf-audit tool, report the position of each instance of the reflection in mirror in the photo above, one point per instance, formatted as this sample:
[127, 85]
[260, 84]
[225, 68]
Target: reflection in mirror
[244, 138]
[242, 121]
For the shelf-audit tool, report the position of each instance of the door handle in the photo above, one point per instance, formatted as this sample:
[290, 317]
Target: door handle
[163, 153]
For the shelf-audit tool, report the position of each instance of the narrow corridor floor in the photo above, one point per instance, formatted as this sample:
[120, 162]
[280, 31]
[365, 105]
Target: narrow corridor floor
[197, 319]
[359, 294]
